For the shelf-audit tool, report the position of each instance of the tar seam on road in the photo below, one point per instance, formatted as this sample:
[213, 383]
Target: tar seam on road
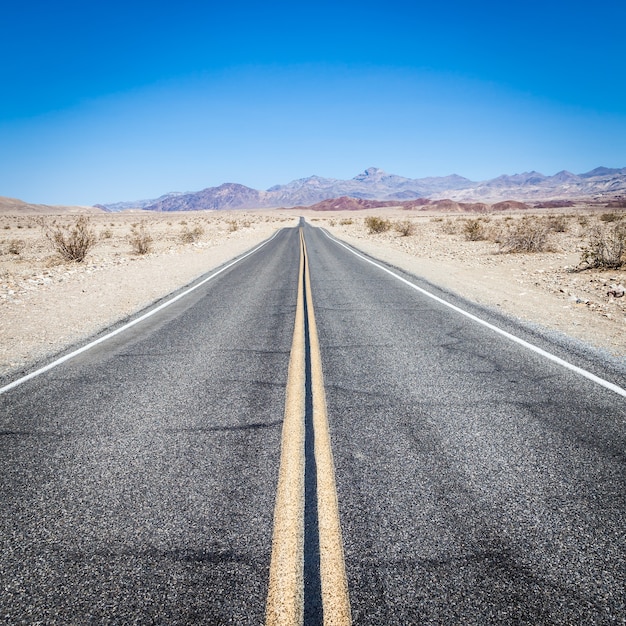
[299, 581]
[529, 346]
[128, 325]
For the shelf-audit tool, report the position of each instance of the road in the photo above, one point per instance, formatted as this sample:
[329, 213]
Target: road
[477, 481]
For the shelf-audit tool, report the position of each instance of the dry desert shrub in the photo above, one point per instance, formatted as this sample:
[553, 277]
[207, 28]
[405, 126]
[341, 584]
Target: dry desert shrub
[406, 228]
[583, 221]
[346, 222]
[558, 223]
[606, 248]
[74, 243]
[191, 236]
[233, 226]
[474, 230]
[377, 224]
[611, 217]
[526, 235]
[16, 246]
[140, 239]
[452, 227]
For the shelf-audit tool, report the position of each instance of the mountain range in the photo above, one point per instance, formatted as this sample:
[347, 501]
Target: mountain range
[601, 183]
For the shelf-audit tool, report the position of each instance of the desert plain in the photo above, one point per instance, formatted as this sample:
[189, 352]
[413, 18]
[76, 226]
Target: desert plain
[48, 304]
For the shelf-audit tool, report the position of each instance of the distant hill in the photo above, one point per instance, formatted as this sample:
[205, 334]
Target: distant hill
[604, 171]
[345, 203]
[136, 204]
[375, 184]
[224, 197]
[13, 205]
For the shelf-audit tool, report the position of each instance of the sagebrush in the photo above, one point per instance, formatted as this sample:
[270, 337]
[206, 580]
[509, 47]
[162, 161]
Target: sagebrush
[191, 235]
[73, 244]
[474, 230]
[450, 226]
[611, 217]
[558, 223]
[16, 246]
[606, 248]
[406, 228]
[377, 224]
[140, 239]
[526, 235]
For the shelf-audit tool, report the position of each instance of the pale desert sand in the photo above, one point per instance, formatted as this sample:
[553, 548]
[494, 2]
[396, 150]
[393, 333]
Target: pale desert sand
[47, 305]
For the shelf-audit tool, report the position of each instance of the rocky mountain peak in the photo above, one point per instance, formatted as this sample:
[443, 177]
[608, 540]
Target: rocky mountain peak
[565, 176]
[371, 174]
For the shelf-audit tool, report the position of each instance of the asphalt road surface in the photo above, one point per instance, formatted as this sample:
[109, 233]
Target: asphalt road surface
[477, 481]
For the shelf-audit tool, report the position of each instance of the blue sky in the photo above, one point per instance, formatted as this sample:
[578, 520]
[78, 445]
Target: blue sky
[112, 101]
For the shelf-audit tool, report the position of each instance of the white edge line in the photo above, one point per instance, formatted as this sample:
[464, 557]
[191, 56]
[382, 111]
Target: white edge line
[126, 326]
[548, 355]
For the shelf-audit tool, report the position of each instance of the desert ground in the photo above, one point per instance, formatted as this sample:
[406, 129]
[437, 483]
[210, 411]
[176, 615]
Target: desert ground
[48, 304]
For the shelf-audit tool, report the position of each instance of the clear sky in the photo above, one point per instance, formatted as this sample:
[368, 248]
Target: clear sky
[110, 101]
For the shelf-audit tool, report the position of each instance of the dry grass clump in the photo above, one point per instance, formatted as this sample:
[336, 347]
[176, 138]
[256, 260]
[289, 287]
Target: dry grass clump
[74, 243]
[406, 228]
[526, 235]
[377, 224]
[140, 239]
[606, 248]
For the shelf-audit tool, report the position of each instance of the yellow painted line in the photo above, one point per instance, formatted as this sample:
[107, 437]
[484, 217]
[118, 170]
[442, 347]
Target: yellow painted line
[335, 597]
[285, 600]
[285, 597]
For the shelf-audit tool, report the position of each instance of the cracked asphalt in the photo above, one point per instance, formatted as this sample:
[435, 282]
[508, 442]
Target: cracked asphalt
[478, 483]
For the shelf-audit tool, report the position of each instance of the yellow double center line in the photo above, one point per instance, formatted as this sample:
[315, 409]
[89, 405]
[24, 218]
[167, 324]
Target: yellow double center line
[286, 594]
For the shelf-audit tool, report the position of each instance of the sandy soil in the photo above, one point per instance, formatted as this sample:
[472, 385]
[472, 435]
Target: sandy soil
[47, 304]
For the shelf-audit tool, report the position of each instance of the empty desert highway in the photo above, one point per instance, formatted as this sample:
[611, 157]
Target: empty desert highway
[477, 481]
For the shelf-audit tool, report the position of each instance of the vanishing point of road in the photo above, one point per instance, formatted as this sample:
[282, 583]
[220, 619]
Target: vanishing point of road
[308, 436]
